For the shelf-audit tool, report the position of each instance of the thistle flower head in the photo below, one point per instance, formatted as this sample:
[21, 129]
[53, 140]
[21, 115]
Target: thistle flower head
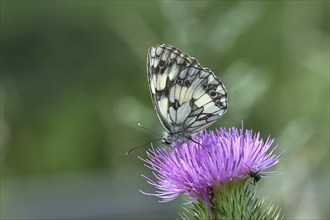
[215, 159]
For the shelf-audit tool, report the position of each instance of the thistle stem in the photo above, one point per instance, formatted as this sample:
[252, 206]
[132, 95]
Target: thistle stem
[211, 205]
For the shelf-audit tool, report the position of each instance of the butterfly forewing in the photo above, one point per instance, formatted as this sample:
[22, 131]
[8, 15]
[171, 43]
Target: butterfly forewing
[186, 96]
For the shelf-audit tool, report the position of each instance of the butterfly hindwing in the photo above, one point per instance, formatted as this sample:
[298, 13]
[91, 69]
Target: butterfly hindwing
[186, 96]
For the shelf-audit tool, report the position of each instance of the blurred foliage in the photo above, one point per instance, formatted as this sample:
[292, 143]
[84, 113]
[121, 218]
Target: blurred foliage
[73, 84]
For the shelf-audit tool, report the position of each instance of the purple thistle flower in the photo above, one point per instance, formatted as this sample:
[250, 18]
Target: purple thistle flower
[220, 157]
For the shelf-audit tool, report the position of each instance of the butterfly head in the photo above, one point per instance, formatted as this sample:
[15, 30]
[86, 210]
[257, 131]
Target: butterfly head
[176, 138]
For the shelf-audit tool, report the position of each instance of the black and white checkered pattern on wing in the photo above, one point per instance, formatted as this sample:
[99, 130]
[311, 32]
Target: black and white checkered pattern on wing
[186, 96]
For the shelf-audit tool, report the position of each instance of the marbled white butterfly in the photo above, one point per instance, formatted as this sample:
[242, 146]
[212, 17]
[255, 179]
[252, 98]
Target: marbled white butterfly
[186, 96]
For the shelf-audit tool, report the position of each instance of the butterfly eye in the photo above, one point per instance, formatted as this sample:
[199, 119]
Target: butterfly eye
[167, 142]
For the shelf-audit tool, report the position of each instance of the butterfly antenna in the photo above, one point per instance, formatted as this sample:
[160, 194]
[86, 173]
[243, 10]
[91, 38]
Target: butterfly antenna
[148, 129]
[134, 148]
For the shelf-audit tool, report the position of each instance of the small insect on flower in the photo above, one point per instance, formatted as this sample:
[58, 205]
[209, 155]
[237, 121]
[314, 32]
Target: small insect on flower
[255, 175]
[187, 97]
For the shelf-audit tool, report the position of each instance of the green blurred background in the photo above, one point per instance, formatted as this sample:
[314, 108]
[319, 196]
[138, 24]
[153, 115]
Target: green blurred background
[74, 87]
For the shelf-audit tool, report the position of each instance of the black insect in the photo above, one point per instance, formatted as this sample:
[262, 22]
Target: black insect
[255, 175]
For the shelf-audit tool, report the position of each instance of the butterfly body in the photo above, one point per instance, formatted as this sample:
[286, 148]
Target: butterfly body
[179, 137]
[186, 96]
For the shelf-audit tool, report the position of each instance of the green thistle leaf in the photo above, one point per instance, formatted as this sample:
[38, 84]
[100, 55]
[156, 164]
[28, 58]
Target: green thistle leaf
[234, 200]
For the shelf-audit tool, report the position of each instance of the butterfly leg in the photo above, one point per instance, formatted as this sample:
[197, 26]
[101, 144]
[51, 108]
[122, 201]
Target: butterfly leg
[195, 141]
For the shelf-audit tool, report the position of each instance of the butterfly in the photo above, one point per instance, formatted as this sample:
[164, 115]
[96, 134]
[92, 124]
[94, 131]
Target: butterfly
[186, 96]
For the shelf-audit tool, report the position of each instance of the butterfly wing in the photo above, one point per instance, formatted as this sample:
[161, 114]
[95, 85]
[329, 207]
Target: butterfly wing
[186, 96]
